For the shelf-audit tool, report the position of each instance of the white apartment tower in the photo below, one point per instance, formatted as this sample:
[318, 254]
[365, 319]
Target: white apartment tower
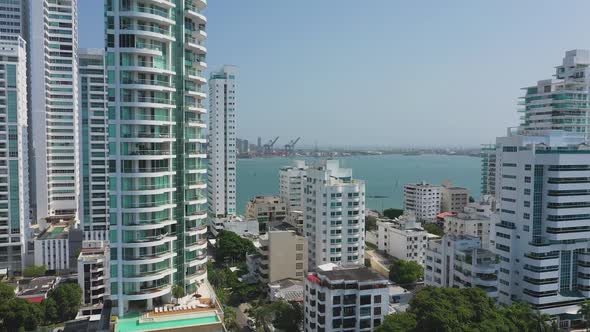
[334, 222]
[422, 199]
[14, 19]
[14, 168]
[403, 238]
[221, 175]
[542, 231]
[95, 143]
[488, 169]
[55, 169]
[155, 59]
[292, 182]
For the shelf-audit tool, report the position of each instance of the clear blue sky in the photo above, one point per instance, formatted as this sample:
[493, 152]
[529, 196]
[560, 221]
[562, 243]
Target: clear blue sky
[382, 72]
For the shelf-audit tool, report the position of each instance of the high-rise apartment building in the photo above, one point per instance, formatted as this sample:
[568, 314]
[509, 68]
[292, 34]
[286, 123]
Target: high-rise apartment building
[403, 238]
[423, 200]
[542, 227]
[560, 103]
[14, 186]
[488, 169]
[55, 169]
[221, 175]
[94, 150]
[14, 19]
[292, 182]
[334, 204]
[155, 60]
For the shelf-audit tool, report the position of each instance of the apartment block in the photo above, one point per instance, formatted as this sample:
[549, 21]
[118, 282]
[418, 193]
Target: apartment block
[488, 169]
[423, 200]
[268, 210]
[476, 219]
[403, 238]
[452, 198]
[292, 184]
[94, 276]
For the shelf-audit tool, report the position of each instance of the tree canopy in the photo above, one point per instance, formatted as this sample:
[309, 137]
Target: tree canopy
[284, 316]
[463, 310]
[392, 213]
[231, 247]
[405, 272]
[433, 228]
[34, 271]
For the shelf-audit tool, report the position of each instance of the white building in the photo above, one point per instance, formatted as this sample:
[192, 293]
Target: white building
[237, 224]
[488, 169]
[155, 57]
[94, 276]
[475, 220]
[94, 149]
[452, 198]
[14, 19]
[292, 183]
[55, 168]
[14, 167]
[57, 246]
[542, 228]
[459, 261]
[334, 211]
[403, 238]
[423, 199]
[344, 298]
[221, 175]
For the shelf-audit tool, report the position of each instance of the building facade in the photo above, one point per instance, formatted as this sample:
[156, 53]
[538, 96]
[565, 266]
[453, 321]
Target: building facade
[155, 59]
[14, 19]
[403, 238]
[344, 298]
[14, 185]
[55, 132]
[292, 182]
[476, 219]
[94, 149]
[334, 211]
[57, 246]
[459, 261]
[423, 200]
[542, 227]
[488, 169]
[268, 210]
[221, 174]
[453, 199]
[93, 276]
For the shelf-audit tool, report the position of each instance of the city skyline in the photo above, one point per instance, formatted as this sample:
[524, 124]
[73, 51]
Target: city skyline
[385, 52]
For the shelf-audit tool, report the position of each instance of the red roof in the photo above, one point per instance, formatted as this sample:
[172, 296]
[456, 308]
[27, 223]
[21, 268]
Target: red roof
[446, 214]
[313, 278]
[36, 299]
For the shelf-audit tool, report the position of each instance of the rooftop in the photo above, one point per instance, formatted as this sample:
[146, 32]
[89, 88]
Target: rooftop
[38, 286]
[132, 322]
[349, 272]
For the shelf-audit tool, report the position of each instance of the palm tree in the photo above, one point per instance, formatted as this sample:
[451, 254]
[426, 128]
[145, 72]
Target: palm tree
[585, 312]
[177, 292]
[230, 319]
[540, 320]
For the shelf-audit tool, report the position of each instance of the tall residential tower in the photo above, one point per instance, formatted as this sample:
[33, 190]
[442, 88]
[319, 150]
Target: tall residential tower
[155, 61]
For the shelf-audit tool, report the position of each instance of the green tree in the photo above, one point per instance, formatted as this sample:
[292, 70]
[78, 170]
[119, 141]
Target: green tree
[435, 229]
[393, 213]
[230, 319]
[585, 313]
[371, 223]
[177, 292]
[231, 247]
[19, 314]
[405, 272]
[34, 271]
[6, 291]
[288, 316]
[50, 311]
[67, 297]
[402, 322]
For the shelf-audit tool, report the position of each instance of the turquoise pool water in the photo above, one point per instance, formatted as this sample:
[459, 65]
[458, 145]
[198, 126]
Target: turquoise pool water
[130, 323]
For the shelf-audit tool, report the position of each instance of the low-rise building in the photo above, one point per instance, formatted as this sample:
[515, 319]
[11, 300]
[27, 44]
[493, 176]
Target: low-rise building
[460, 261]
[344, 298]
[58, 245]
[453, 199]
[236, 224]
[286, 289]
[282, 253]
[36, 290]
[423, 199]
[475, 220]
[296, 219]
[267, 210]
[399, 299]
[94, 276]
[403, 238]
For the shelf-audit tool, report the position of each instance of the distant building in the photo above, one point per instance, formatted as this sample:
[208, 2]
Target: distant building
[488, 169]
[334, 210]
[37, 289]
[243, 146]
[459, 261]
[236, 224]
[453, 199]
[295, 219]
[345, 298]
[399, 299]
[286, 289]
[282, 253]
[57, 246]
[475, 220]
[403, 238]
[94, 276]
[292, 180]
[267, 210]
[423, 199]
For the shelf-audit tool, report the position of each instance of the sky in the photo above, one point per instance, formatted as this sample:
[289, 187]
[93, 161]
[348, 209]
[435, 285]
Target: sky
[386, 73]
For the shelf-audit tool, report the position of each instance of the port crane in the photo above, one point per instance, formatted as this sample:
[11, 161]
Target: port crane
[290, 147]
[268, 146]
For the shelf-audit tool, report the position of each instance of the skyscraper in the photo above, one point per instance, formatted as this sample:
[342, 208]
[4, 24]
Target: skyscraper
[55, 135]
[155, 61]
[94, 147]
[488, 169]
[334, 208]
[221, 175]
[14, 186]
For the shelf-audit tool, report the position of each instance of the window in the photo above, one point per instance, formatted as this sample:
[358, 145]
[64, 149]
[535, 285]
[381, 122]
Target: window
[377, 299]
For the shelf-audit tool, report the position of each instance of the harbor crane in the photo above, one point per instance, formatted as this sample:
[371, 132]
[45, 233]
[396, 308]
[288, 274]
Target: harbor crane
[268, 146]
[290, 147]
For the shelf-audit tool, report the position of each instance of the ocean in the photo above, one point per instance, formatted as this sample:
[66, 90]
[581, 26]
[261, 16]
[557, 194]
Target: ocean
[384, 175]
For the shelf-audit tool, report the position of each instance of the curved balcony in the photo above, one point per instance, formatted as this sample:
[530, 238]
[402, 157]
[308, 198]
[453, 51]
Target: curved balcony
[198, 276]
[196, 215]
[146, 119]
[200, 4]
[149, 14]
[194, 13]
[196, 200]
[197, 230]
[199, 244]
[151, 241]
[148, 155]
[196, 185]
[197, 170]
[195, 45]
[144, 226]
[195, 75]
[196, 108]
[148, 293]
[149, 102]
[147, 137]
[145, 84]
[149, 258]
[195, 122]
[148, 207]
[150, 275]
[144, 172]
[198, 260]
[165, 3]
